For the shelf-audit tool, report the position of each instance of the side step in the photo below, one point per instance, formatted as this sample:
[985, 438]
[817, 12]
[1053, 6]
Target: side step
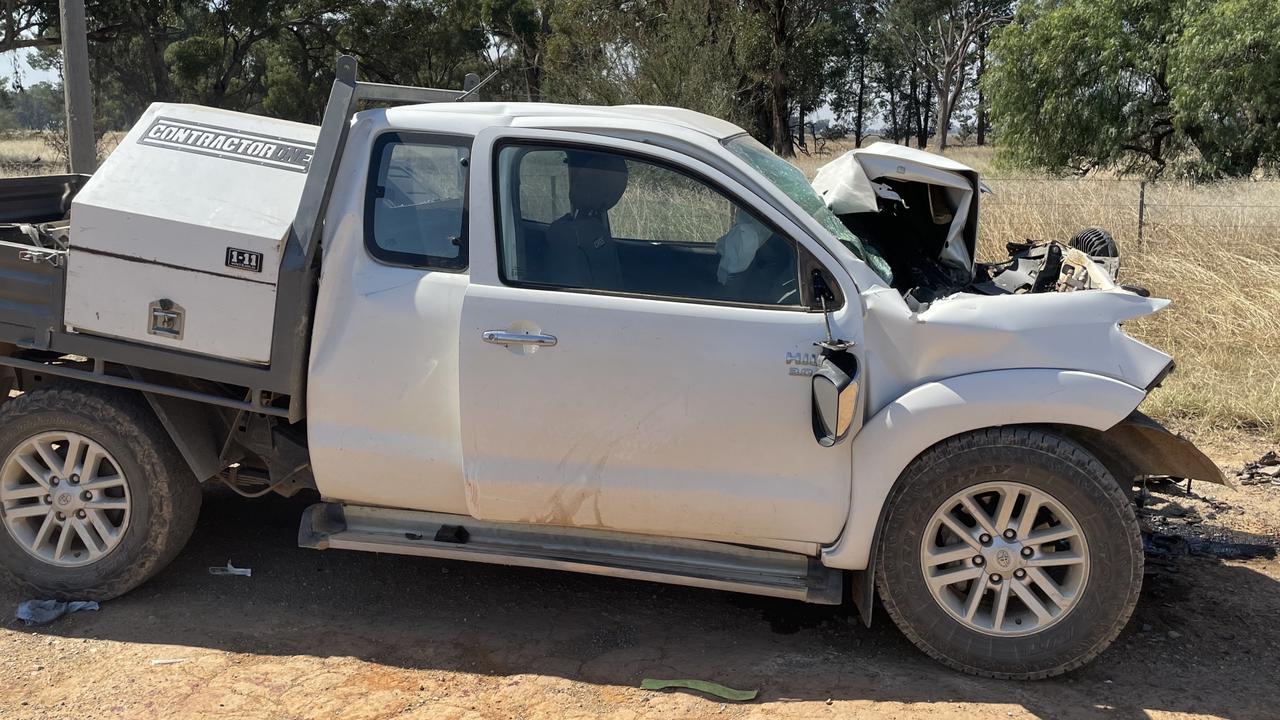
[696, 563]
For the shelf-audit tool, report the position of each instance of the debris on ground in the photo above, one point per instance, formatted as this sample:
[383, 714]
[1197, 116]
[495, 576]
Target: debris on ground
[167, 661]
[231, 570]
[1263, 471]
[710, 688]
[43, 612]
[1157, 545]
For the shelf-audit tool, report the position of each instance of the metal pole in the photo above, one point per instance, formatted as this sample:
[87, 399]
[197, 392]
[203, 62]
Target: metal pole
[82, 148]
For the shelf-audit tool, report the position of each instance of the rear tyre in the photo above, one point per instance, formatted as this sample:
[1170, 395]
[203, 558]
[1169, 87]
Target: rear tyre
[1009, 553]
[94, 497]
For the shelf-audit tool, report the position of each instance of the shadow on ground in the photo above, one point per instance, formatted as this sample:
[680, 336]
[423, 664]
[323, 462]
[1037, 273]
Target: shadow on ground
[1201, 641]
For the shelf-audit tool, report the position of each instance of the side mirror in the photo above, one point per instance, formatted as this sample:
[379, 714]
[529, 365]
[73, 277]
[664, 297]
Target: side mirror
[835, 396]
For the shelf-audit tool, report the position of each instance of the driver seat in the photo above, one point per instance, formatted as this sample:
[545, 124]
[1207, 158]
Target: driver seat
[580, 250]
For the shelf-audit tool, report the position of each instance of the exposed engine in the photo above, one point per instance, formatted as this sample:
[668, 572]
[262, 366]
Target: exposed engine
[1090, 259]
[919, 211]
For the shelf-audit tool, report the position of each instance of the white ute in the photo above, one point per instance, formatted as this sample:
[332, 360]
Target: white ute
[628, 341]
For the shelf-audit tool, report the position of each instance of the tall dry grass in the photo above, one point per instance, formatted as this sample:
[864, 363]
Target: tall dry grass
[1214, 250]
[43, 153]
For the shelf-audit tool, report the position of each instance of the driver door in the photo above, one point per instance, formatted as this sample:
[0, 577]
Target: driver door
[636, 345]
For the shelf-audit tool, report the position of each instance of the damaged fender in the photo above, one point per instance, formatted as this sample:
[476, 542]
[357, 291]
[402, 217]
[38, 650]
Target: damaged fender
[1139, 447]
[935, 411]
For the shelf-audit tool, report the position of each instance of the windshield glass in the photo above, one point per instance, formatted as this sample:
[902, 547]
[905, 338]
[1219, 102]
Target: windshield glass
[788, 178]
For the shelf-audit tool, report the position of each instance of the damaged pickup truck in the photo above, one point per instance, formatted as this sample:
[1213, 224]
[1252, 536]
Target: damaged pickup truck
[627, 341]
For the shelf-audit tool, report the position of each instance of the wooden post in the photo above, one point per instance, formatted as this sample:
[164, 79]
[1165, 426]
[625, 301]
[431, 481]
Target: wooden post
[81, 146]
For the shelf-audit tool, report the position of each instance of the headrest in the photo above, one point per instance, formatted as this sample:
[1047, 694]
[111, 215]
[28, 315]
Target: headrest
[596, 180]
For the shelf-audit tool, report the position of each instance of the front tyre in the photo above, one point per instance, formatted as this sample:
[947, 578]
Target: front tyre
[1010, 553]
[94, 498]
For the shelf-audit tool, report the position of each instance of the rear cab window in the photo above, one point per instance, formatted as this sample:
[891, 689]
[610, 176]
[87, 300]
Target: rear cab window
[416, 200]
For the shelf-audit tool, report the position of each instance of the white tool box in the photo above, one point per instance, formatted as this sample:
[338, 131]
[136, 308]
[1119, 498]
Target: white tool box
[176, 239]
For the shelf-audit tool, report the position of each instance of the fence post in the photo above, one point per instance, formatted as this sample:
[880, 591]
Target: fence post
[1142, 211]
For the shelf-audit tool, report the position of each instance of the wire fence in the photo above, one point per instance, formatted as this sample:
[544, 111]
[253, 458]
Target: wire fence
[1132, 210]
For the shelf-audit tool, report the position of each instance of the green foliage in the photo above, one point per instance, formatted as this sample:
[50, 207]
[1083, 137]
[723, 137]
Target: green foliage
[1139, 86]
[519, 31]
[1225, 73]
[687, 53]
[433, 43]
[1190, 87]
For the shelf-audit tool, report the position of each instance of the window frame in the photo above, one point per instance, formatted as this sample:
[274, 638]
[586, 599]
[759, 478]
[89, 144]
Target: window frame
[396, 258]
[805, 259]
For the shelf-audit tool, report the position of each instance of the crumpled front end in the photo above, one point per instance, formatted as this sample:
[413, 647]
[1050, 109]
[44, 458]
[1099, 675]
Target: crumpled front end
[968, 333]
[1083, 331]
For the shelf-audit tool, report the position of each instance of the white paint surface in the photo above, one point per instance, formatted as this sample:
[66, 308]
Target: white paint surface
[176, 212]
[660, 417]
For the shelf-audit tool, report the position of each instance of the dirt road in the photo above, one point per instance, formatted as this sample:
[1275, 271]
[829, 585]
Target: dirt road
[339, 634]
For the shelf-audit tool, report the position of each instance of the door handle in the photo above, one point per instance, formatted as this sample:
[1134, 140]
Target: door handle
[502, 337]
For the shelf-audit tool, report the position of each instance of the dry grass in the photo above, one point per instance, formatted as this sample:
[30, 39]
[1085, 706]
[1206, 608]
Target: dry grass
[1214, 250]
[28, 153]
[40, 153]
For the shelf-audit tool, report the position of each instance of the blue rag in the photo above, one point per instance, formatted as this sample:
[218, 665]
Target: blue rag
[43, 612]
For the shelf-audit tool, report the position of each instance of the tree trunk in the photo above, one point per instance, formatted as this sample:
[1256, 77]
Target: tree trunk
[913, 108]
[950, 92]
[944, 123]
[779, 108]
[924, 108]
[982, 98]
[860, 102]
[895, 127]
[779, 115]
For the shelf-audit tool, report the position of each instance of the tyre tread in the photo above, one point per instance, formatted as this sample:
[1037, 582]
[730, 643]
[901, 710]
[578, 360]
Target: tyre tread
[1028, 438]
[175, 504]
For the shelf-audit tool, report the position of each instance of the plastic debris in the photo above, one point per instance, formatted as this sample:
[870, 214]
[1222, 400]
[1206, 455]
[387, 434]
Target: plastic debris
[167, 661]
[231, 570]
[43, 612]
[710, 688]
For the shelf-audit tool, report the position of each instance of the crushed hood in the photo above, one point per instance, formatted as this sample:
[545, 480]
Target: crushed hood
[853, 184]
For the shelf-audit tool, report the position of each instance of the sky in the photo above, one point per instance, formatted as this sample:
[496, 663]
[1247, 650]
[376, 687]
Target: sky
[15, 63]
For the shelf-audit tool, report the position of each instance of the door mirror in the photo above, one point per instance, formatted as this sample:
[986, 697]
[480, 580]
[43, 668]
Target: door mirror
[835, 396]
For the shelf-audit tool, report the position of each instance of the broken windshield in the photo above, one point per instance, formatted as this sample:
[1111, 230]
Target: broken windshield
[788, 178]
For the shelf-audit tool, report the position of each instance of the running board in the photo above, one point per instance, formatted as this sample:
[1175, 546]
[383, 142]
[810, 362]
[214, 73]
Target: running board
[696, 563]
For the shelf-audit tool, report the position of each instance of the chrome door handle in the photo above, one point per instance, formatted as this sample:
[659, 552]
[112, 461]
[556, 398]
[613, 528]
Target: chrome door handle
[502, 337]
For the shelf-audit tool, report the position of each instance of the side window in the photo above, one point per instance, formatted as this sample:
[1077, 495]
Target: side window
[594, 220]
[415, 207]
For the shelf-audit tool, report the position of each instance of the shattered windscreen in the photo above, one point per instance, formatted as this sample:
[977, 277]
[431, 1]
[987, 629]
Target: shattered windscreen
[788, 178]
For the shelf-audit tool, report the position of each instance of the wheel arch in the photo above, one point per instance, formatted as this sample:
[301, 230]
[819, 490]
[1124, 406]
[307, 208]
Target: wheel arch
[194, 428]
[934, 412]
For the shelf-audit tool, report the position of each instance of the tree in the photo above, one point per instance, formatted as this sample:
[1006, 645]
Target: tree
[1225, 81]
[1081, 84]
[1190, 87]
[36, 24]
[942, 36]
[981, 122]
[519, 31]
[849, 75]
[38, 107]
[798, 34]
[432, 43]
[699, 54]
